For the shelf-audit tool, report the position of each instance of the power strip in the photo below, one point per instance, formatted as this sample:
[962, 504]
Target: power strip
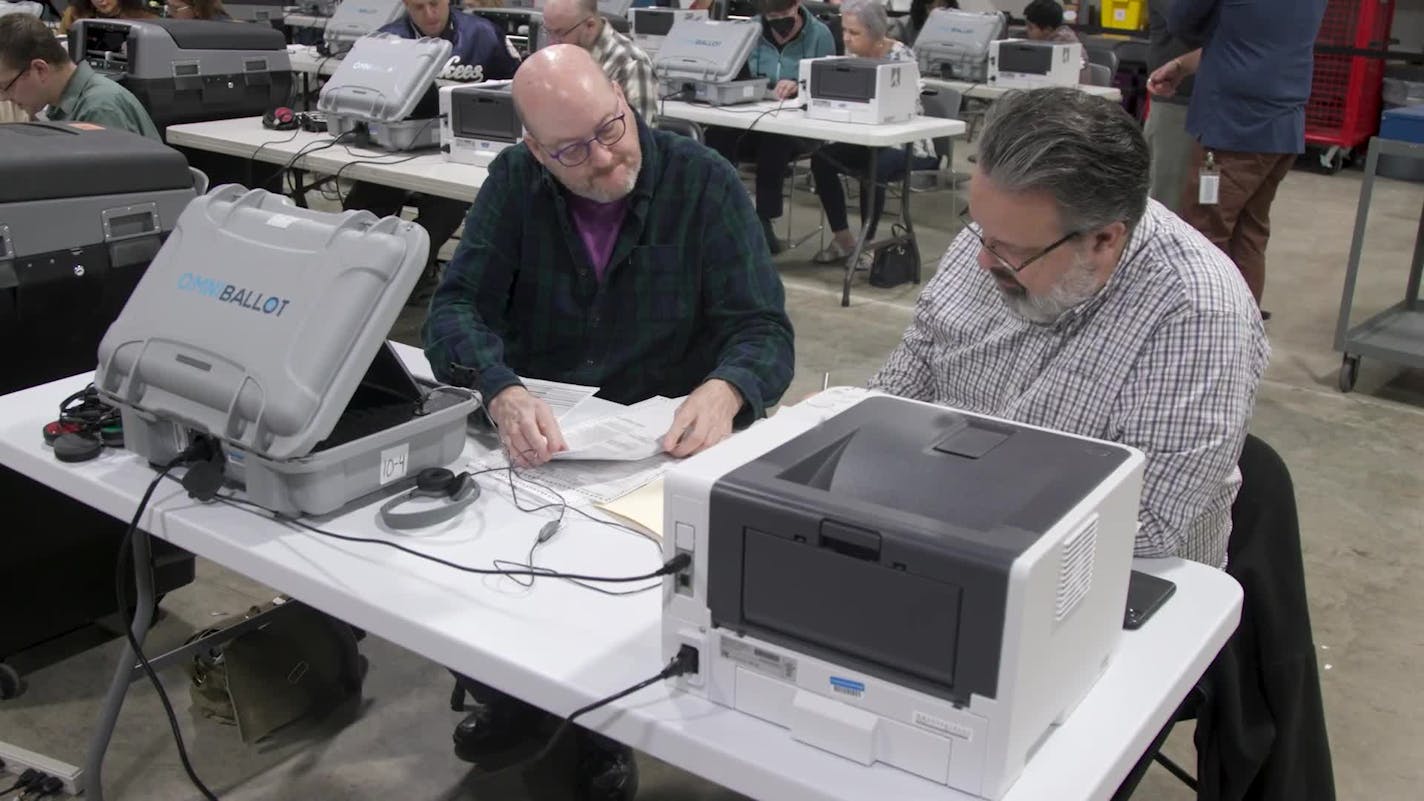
[18, 759]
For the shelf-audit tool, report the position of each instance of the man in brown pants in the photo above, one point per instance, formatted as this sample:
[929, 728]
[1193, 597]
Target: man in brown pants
[1247, 114]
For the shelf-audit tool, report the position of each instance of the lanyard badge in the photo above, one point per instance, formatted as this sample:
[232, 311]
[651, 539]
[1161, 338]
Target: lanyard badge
[1209, 185]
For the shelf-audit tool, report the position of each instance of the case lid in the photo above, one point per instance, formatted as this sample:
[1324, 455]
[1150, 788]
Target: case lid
[707, 50]
[384, 77]
[356, 18]
[257, 319]
[948, 31]
[46, 160]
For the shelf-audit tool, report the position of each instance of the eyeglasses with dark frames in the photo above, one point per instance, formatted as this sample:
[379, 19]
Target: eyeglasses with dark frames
[18, 76]
[557, 37]
[608, 134]
[974, 229]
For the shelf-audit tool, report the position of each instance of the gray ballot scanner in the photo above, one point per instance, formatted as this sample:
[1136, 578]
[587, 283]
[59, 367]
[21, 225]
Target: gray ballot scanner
[477, 122]
[264, 325]
[384, 94]
[867, 91]
[899, 582]
[353, 19]
[705, 61]
[83, 210]
[955, 44]
[188, 70]
[650, 26]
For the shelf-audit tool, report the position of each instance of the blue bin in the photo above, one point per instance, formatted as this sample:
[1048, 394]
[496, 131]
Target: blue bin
[1405, 125]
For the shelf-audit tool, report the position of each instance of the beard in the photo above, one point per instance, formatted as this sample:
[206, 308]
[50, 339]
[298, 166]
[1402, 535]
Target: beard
[1075, 287]
[598, 189]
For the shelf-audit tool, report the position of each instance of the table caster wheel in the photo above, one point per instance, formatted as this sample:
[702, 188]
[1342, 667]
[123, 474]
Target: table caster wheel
[11, 685]
[1349, 371]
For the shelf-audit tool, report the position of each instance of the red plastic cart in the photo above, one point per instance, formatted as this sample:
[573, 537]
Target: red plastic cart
[1344, 107]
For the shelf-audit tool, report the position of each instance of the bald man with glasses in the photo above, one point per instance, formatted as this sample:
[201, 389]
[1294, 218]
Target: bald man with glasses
[1073, 302]
[604, 253]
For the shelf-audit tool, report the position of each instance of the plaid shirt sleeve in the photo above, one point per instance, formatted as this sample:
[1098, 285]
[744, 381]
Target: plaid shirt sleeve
[743, 299]
[1185, 404]
[467, 310]
[632, 69]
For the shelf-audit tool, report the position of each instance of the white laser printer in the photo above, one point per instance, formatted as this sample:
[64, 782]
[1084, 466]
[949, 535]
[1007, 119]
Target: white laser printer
[868, 91]
[705, 61]
[353, 19]
[264, 325]
[477, 122]
[1025, 64]
[384, 92]
[955, 44]
[899, 582]
[650, 26]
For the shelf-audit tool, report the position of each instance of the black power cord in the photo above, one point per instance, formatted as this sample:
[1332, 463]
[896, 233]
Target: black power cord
[685, 661]
[203, 449]
[27, 780]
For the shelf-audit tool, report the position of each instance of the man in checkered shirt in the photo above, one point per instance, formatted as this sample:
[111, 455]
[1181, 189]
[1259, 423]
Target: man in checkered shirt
[577, 22]
[1071, 301]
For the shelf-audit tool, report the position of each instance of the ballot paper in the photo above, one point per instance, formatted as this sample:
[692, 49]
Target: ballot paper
[608, 458]
[561, 397]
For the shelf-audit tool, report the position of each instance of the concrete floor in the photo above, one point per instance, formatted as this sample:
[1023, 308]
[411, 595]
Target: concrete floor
[1356, 460]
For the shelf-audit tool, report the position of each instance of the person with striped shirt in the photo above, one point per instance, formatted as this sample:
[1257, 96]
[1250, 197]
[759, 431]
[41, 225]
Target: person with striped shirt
[1073, 302]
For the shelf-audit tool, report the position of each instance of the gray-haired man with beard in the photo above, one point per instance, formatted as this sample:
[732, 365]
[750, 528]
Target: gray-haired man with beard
[1071, 301]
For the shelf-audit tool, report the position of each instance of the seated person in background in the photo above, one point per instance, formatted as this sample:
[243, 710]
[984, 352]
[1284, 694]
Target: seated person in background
[476, 42]
[1044, 23]
[602, 252]
[577, 22]
[863, 24]
[101, 9]
[198, 9]
[789, 34]
[1074, 302]
[36, 74]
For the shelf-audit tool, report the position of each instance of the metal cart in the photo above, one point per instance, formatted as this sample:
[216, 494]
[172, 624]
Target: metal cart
[1344, 107]
[1397, 333]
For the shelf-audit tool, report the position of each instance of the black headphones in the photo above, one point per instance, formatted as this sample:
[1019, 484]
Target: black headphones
[432, 482]
[85, 426]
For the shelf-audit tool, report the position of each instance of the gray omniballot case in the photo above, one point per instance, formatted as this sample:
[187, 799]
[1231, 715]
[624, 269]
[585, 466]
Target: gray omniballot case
[378, 87]
[264, 325]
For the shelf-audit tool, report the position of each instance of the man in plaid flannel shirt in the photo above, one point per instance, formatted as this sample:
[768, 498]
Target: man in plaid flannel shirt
[577, 22]
[1073, 302]
[602, 252]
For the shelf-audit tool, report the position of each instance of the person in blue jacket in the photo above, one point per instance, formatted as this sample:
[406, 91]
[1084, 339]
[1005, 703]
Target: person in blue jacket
[789, 34]
[477, 42]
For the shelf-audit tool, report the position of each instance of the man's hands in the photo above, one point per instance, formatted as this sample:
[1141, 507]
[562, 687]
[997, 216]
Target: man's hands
[704, 419]
[527, 428]
[1165, 80]
[785, 90]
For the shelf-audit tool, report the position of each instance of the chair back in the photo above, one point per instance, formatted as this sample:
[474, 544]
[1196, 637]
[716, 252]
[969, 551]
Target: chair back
[943, 103]
[686, 128]
[1103, 56]
[1098, 75]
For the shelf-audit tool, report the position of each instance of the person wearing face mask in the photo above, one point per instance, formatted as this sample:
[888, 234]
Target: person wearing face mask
[104, 9]
[789, 34]
[605, 253]
[864, 27]
[1073, 302]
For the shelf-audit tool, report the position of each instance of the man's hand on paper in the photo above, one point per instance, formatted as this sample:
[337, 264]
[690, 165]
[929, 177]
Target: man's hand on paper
[785, 90]
[527, 428]
[704, 419]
